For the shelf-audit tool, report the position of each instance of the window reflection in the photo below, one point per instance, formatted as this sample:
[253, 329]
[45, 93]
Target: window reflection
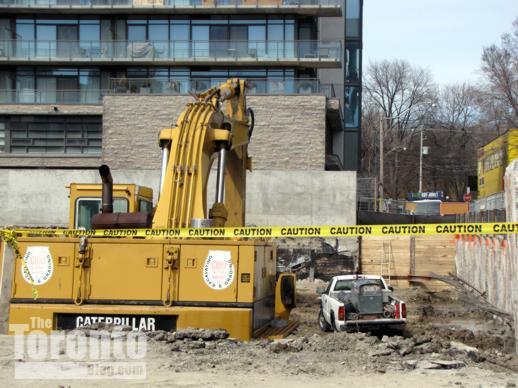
[352, 106]
[352, 18]
[57, 85]
[352, 62]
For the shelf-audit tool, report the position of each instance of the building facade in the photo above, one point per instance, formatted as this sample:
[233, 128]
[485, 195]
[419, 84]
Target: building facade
[68, 68]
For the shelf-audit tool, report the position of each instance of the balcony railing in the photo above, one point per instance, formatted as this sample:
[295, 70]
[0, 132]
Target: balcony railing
[255, 86]
[33, 96]
[155, 86]
[171, 51]
[165, 3]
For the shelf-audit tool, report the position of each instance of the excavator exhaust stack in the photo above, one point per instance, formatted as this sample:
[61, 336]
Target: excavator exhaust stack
[107, 219]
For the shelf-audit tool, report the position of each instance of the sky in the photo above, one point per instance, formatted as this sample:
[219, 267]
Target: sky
[444, 36]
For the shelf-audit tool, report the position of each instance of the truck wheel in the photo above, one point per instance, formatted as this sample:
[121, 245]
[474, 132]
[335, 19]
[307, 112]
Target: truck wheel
[322, 323]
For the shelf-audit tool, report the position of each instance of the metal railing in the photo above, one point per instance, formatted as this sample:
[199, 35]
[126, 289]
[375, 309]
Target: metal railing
[157, 86]
[171, 50]
[388, 205]
[494, 215]
[165, 3]
[493, 202]
[255, 86]
[33, 96]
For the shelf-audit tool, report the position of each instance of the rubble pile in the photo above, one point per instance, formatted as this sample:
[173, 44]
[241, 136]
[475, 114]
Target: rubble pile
[355, 350]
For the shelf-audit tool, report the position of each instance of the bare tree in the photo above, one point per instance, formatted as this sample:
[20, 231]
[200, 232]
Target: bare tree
[399, 95]
[453, 138]
[500, 67]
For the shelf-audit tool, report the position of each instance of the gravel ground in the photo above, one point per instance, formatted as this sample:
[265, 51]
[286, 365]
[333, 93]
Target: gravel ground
[447, 342]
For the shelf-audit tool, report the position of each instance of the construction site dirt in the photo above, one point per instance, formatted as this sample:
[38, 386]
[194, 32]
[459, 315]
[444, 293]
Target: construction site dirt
[450, 339]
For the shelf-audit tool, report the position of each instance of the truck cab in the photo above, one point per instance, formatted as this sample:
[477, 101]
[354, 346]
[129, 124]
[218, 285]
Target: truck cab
[85, 201]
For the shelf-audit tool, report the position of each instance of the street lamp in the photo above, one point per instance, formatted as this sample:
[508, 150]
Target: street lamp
[423, 150]
[421, 163]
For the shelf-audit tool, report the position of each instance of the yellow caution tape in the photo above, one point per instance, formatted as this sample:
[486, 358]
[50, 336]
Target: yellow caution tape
[9, 236]
[289, 231]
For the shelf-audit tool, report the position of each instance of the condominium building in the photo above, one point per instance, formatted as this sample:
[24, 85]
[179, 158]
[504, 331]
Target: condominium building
[69, 67]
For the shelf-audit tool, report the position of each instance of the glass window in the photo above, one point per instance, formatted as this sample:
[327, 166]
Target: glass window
[200, 44]
[352, 18]
[120, 205]
[2, 136]
[344, 285]
[289, 37]
[145, 206]
[275, 45]
[25, 29]
[25, 36]
[53, 134]
[136, 33]
[351, 144]
[238, 41]
[256, 41]
[218, 40]
[352, 106]
[89, 85]
[180, 35]
[352, 60]
[85, 210]
[45, 32]
[90, 35]
[25, 87]
[158, 32]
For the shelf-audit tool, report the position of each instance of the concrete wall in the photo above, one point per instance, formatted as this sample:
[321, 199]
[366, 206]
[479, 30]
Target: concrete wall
[490, 263]
[39, 197]
[289, 132]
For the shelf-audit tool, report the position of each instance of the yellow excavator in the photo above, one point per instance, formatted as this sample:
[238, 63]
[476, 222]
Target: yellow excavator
[166, 283]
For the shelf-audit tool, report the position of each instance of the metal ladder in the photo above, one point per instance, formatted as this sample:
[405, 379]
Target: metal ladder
[387, 260]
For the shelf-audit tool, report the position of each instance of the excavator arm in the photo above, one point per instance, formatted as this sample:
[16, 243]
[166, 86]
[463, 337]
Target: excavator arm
[217, 125]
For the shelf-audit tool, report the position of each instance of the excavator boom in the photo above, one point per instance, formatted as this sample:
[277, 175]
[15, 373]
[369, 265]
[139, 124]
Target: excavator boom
[216, 125]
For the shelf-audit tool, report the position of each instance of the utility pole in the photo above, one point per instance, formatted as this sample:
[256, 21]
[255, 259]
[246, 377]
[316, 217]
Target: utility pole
[421, 163]
[380, 182]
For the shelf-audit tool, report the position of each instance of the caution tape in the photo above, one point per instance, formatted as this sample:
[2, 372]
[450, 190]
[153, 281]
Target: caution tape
[288, 231]
[9, 236]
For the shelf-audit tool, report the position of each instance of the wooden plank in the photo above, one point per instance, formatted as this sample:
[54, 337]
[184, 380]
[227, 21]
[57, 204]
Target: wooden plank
[433, 254]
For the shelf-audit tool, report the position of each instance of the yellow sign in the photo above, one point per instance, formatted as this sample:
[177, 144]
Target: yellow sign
[289, 231]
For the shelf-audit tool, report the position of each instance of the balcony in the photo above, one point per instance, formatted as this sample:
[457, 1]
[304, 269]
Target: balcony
[69, 97]
[140, 86]
[255, 86]
[312, 54]
[214, 7]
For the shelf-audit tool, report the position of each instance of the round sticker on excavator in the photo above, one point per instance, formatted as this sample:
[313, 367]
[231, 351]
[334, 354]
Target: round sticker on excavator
[37, 265]
[218, 270]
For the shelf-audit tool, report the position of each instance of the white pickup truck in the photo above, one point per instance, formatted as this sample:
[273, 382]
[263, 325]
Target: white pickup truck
[359, 302]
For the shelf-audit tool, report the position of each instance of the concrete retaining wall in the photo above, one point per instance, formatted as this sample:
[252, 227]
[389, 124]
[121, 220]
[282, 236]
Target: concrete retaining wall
[490, 263]
[33, 197]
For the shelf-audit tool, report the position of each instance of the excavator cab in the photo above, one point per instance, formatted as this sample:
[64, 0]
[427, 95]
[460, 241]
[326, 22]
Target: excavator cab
[86, 201]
